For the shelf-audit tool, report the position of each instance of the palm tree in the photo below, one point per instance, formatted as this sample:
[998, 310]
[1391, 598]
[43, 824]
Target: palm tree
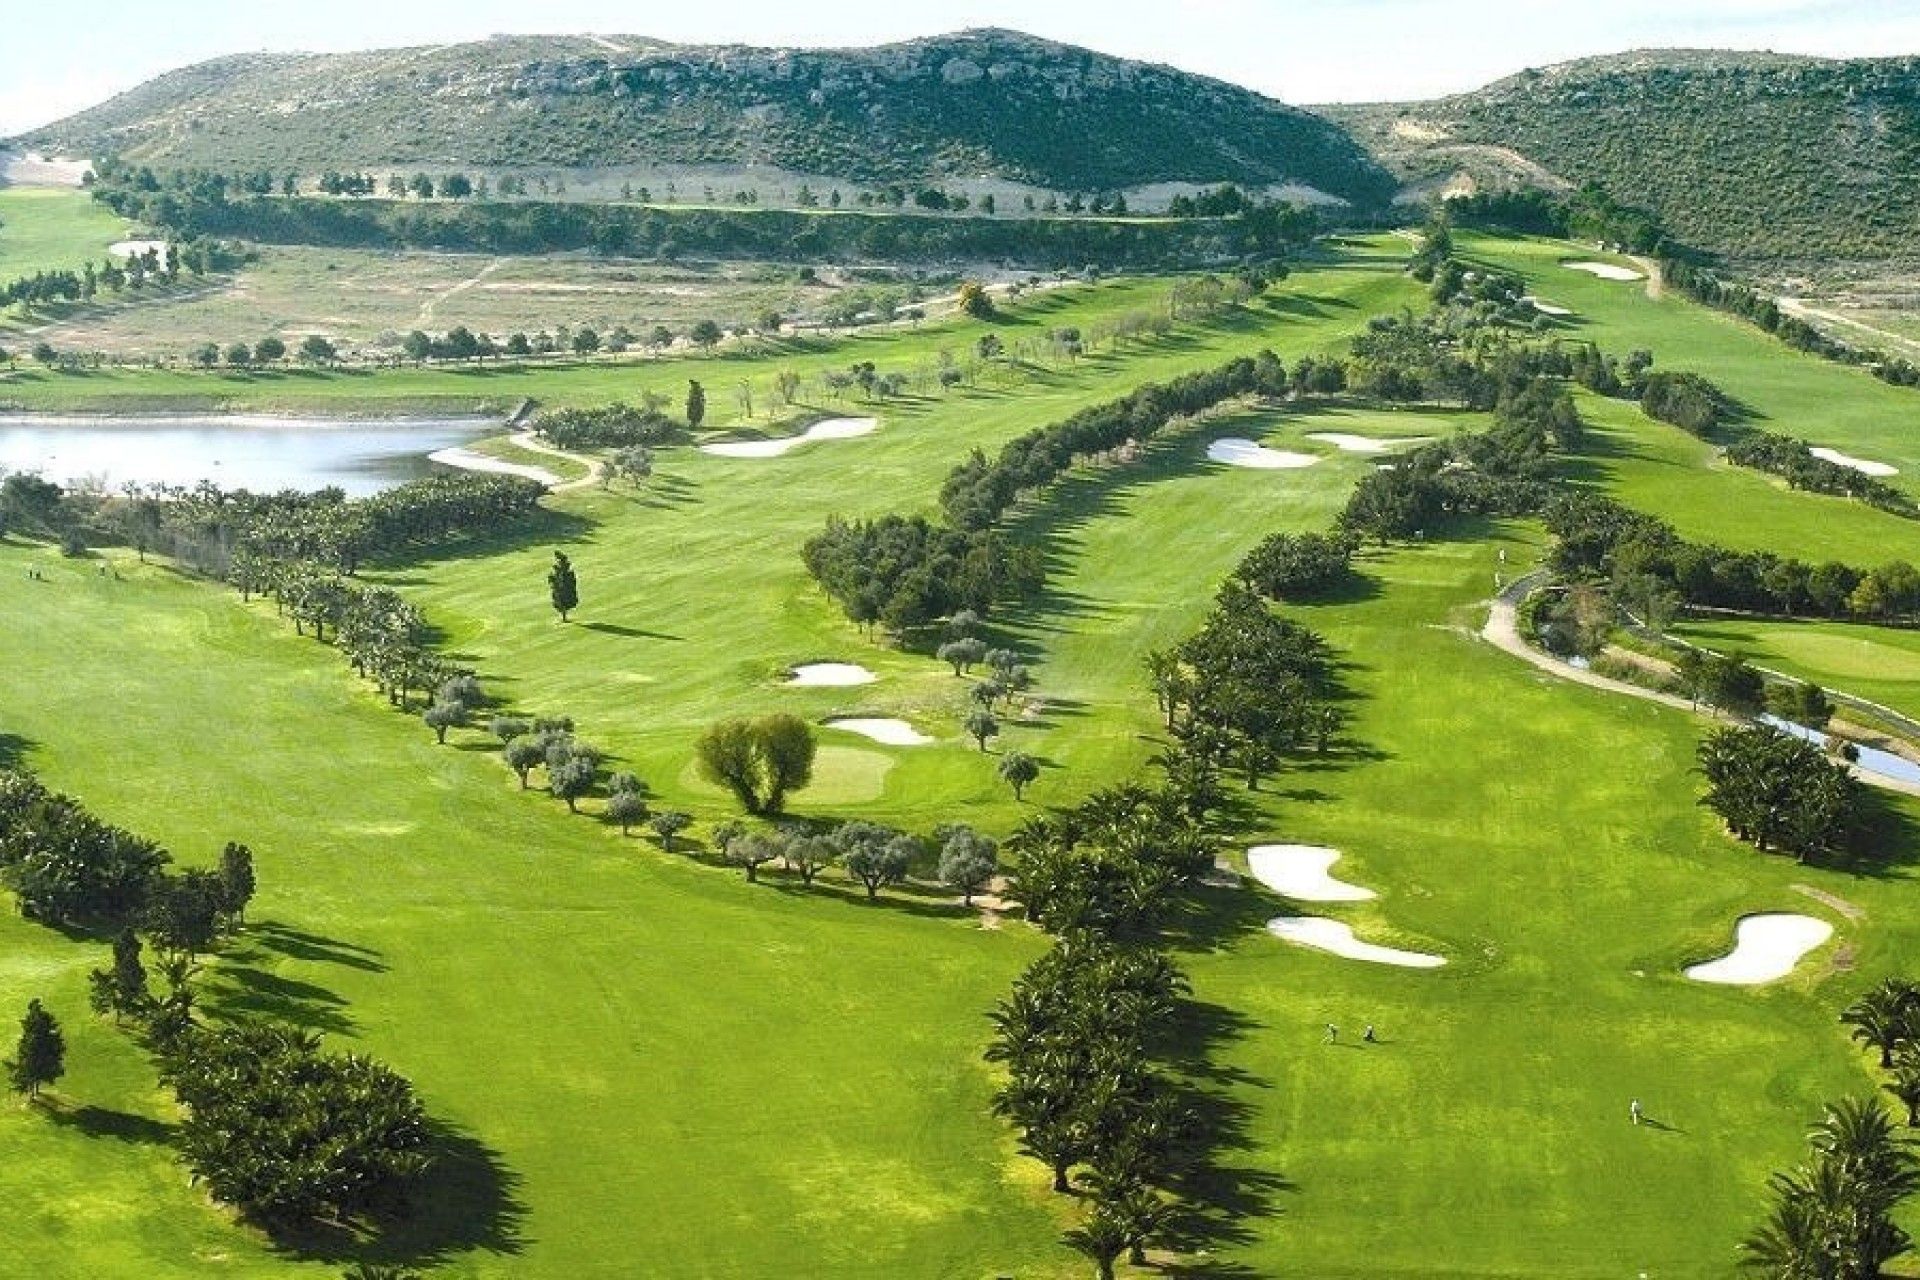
[1905, 1086]
[1101, 1238]
[1885, 1018]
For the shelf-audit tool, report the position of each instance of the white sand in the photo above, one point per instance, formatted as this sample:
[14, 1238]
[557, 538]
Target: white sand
[1861, 465]
[1299, 871]
[894, 733]
[468, 460]
[828, 429]
[1237, 451]
[830, 675]
[1363, 444]
[1605, 270]
[130, 248]
[1546, 308]
[1765, 947]
[1323, 934]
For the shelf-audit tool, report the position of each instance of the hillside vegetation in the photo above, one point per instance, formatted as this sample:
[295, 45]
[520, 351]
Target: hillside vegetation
[1753, 156]
[976, 104]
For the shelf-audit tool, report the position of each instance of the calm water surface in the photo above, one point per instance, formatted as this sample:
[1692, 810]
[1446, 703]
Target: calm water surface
[259, 453]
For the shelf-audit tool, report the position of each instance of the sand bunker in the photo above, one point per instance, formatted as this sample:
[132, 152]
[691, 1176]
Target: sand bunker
[1299, 871]
[1323, 934]
[133, 248]
[1605, 270]
[830, 675]
[828, 429]
[1237, 451]
[1546, 308]
[468, 460]
[1861, 465]
[894, 733]
[1363, 444]
[1765, 947]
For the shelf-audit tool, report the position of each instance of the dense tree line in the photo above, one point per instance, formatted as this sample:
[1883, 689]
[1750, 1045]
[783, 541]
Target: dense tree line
[287, 1134]
[1684, 400]
[613, 426]
[977, 493]
[1640, 556]
[1793, 461]
[1288, 566]
[1780, 793]
[905, 571]
[195, 204]
[65, 866]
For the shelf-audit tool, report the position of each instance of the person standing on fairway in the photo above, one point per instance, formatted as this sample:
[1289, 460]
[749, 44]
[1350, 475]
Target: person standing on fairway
[1367, 1035]
[1333, 1034]
[1633, 1110]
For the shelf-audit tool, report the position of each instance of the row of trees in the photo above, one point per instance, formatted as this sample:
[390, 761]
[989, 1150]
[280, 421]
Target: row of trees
[615, 426]
[1089, 1038]
[1794, 462]
[194, 203]
[1641, 558]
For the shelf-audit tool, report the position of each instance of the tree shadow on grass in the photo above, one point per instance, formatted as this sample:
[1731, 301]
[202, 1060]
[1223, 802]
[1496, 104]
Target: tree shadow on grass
[122, 1126]
[301, 945]
[13, 750]
[238, 991]
[1887, 841]
[467, 1201]
[631, 633]
[545, 525]
[1219, 1195]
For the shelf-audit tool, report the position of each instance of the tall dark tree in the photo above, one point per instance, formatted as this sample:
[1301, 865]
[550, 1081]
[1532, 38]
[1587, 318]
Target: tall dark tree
[696, 404]
[563, 588]
[121, 989]
[40, 1058]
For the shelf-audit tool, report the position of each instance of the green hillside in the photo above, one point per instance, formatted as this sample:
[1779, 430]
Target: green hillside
[978, 104]
[1751, 155]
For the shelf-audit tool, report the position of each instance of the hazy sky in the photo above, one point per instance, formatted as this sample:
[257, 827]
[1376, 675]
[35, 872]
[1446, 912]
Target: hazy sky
[72, 54]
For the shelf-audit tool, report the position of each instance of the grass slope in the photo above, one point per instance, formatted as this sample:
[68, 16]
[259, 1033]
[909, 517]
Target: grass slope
[48, 228]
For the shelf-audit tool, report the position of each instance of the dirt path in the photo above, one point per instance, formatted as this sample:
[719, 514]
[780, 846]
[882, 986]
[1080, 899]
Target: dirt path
[1795, 307]
[1502, 631]
[1656, 283]
[425, 317]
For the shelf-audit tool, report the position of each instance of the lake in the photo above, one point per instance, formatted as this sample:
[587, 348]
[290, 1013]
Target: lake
[260, 453]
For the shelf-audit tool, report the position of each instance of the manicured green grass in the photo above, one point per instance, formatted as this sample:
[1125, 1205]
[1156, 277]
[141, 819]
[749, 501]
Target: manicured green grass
[1782, 390]
[1881, 664]
[45, 229]
[674, 1070]
[680, 1072]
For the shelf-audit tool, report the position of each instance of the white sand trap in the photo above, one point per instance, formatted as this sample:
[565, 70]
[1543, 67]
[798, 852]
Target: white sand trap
[468, 460]
[1546, 308]
[1323, 934]
[1861, 465]
[830, 675]
[1236, 451]
[1299, 871]
[827, 429]
[1363, 444]
[1765, 947]
[894, 733]
[132, 248]
[1605, 270]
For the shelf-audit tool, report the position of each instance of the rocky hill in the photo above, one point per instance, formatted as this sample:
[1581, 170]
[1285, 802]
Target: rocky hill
[1754, 156]
[980, 104]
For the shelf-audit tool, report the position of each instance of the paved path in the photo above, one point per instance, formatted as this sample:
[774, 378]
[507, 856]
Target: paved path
[1502, 631]
[534, 444]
